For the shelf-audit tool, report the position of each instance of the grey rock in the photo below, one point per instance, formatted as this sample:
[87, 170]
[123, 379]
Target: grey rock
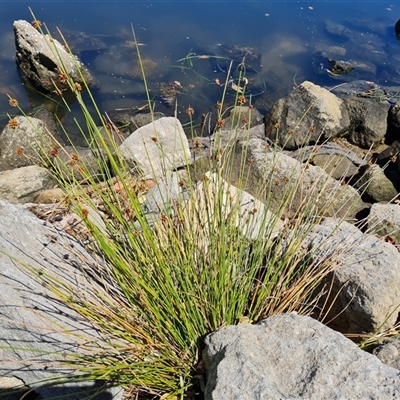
[391, 151]
[30, 136]
[128, 120]
[249, 215]
[222, 138]
[80, 41]
[367, 90]
[389, 352]
[162, 197]
[71, 159]
[310, 114]
[272, 176]
[157, 148]
[36, 328]
[292, 357]
[376, 185]
[22, 185]
[368, 121]
[333, 159]
[384, 220]
[393, 133]
[364, 285]
[339, 67]
[336, 166]
[243, 117]
[40, 59]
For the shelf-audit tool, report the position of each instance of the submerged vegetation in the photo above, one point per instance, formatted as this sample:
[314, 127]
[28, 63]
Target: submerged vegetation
[204, 263]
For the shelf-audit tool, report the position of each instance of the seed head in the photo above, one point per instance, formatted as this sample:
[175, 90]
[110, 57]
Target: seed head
[13, 123]
[13, 102]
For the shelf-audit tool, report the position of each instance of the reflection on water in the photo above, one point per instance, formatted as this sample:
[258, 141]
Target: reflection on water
[187, 48]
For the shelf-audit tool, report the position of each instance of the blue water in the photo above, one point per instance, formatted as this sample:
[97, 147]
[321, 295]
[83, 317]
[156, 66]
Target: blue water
[290, 37]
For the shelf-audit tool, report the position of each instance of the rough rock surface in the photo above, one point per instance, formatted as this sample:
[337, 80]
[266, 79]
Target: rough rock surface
[129, 121]
[157, 148]
[376, 185]
[393, 122]
[384, 220]
[389, 352]
[33, 323]
[30, 136]
[72, 158]
[368, 121]
[273, 176]
[249, 215]
[41, 60]
[309, 114]
[23, 185]
[364, 287]
[292, 357]
[336, 161]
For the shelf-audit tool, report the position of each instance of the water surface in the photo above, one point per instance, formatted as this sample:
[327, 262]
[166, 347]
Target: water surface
[188, 42]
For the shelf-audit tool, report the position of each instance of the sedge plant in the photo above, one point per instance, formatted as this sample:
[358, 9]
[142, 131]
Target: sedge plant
[206, 261]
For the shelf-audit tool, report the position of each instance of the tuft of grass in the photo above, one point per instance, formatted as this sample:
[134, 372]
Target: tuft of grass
[206, 262]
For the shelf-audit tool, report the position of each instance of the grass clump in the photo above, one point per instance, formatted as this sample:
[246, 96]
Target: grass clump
[211, 258]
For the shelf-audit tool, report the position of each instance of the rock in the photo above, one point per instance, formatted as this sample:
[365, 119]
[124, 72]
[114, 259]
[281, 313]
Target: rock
[243, 117]
[129, 121]
[36, 328]
[389, 161]
[310, 114]
[41, 60]
[368, 121]
[70, 160]
[338, 67]
[222, 138]
[47, 117]
[393, 133]
[25, 144]
[337, 29]
[375, 185]
[364, 286]
[336, 166]
[162, 197]
[226, 52]
[23, 185]
[273, 177]
[157, 148]
[335, 160]
[292, 357]
[80, 41]
[384, 220]
[242, 123]
[249, 215]
[50, 196]
[389, 352]
[387, 155]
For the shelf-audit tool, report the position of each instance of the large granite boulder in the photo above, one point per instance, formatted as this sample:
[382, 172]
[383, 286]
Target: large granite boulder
[23, 185]
[292, 357]
[368, 121]
[157, 148]
[389, 352]
[375, 185]
[24, 141]
[363, 289]
[274, 177]
[384, 220]
[309, 114]
[37, 330]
